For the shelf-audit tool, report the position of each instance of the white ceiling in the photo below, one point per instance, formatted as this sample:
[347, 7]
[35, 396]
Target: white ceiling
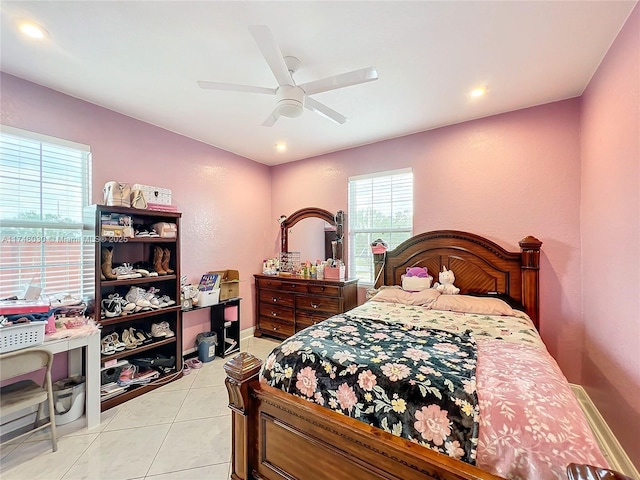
[143, 58]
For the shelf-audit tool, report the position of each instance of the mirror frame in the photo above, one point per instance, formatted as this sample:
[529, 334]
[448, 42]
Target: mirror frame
[312, 212]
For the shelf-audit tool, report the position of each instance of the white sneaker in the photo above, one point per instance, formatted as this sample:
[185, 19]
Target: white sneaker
[157, 331]
[136, 295]
[165, 327]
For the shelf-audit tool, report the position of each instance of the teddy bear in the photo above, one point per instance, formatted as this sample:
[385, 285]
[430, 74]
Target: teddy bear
[416, 279]
[446, 286]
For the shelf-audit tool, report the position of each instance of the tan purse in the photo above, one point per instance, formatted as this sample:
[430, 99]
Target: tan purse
[138, 200]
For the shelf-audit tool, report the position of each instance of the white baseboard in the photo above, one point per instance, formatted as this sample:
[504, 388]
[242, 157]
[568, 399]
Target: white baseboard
[611, 448]
[246, 333]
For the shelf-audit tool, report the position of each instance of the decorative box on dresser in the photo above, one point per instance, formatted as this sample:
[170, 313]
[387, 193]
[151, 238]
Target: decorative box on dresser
[132, 251]
[287, 304]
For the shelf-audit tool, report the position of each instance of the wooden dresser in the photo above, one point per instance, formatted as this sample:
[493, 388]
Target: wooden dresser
[287, 304]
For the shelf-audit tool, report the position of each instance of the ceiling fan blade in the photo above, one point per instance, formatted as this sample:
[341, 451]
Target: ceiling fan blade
[316, 106]
[235, 88]
[272, 54]
[340, 81]
[269, 122]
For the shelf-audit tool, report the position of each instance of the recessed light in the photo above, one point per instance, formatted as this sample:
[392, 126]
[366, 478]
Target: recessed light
[281, 147]
[33, 30]
[478, 92]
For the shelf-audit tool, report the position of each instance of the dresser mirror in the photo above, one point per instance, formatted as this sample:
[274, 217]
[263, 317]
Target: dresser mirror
[311, 232]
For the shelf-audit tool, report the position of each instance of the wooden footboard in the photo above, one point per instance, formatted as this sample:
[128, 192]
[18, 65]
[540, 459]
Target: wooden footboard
[279, 436]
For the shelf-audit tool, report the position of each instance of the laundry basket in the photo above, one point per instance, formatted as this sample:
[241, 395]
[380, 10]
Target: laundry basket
[206, 345]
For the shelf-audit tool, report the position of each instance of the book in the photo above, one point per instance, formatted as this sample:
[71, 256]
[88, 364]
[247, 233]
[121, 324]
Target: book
[209, 281]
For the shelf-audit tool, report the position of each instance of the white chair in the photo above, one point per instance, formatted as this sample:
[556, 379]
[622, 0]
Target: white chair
[23, 394]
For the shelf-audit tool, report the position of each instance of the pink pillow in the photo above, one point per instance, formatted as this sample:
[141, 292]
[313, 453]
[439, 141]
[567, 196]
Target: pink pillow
[469, 304]
[424, 298]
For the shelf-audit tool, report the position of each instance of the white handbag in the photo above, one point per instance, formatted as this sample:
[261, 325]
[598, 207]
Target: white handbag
[117, 194]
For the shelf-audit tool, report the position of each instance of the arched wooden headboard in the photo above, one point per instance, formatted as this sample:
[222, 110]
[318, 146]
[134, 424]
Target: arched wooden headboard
[479, 264]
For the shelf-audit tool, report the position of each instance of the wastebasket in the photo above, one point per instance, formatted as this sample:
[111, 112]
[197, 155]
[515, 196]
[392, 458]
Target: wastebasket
[206, 345]
[68, 399]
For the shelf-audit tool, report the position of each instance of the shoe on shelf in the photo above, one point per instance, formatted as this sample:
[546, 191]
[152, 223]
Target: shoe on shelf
[136, 296]
[125, 272]
[111, 307]
[166, 301]
[151, 296]
[128, 374]
[125, 305]
[130, 342]
[115, 339]
[157, 331]
[108, 348]
[140, 336]
[165, 327]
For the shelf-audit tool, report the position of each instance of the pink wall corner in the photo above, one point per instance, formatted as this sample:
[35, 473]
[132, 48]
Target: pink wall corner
[503, 177]
[610, 223]
[225, 219]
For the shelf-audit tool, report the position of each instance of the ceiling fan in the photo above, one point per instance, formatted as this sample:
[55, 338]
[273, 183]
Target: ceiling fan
[292, 98]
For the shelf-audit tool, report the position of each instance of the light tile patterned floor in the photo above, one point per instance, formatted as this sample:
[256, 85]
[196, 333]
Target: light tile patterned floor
[181, 431]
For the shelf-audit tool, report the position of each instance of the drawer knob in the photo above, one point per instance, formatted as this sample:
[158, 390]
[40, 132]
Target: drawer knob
[275, 328]
[274, 299]
[274, 314]
[315, 305]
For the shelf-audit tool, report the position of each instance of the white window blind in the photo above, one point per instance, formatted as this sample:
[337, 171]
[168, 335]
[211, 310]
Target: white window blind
[380, 206]
[44, 186]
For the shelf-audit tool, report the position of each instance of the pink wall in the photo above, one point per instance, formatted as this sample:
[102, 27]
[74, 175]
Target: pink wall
[566, 172]
[610, 224]
[520, 170]
[225, 219]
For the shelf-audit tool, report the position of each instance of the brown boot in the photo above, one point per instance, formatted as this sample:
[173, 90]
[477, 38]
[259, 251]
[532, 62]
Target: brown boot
[107, 261]
[165, 261]
[158, 253]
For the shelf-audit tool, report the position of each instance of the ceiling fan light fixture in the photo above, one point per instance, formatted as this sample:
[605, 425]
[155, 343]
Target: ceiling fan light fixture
[290, 108]
[290, 101]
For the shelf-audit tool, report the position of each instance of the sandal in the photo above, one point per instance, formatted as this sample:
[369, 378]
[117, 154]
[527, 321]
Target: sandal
[115, 339]
[194, 363]
[108, 348]
[186, 369]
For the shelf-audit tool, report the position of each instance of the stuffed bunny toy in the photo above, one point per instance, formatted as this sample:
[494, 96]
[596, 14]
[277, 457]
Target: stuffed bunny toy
[446, 285]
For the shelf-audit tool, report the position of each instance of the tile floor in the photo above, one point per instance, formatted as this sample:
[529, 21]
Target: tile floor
[181, 431]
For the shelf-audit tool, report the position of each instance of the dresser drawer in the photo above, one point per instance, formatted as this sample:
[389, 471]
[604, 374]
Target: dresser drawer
[275, 297]
[325, 290]
[274, 327]
[277, 312]
[317, 303]
[306, 319]
[277, 284]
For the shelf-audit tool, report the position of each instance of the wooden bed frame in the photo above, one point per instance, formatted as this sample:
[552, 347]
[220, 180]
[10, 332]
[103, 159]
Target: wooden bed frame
[276, 435]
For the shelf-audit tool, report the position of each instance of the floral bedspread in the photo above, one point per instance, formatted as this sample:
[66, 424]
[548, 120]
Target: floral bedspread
[415, 383]
[510, 329]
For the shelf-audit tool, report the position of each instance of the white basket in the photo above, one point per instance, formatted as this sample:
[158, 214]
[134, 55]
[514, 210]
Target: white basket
[157, 195]
[23, 335]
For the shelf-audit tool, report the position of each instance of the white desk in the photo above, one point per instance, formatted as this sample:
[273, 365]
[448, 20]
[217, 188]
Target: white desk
[90, 344]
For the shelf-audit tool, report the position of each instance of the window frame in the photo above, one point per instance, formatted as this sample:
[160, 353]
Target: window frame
[386, 233]
[38, 250]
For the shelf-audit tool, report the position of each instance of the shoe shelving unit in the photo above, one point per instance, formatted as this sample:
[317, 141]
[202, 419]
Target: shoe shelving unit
[138, 250]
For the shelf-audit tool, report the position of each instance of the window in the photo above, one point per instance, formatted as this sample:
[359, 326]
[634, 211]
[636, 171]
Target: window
[44, 186]
[380, 206]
